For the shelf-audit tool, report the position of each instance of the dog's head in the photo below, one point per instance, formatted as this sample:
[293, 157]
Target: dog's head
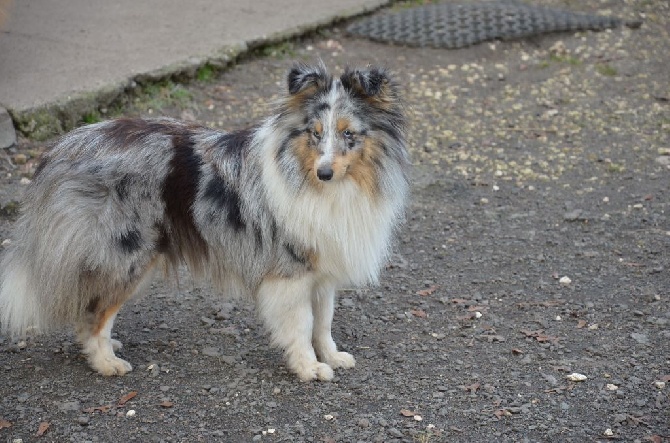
[347, 126]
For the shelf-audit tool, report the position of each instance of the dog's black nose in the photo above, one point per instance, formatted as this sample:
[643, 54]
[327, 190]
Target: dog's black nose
[325, 173]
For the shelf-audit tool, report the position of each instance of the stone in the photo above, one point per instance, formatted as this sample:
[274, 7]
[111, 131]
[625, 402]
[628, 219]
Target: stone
[7, 132]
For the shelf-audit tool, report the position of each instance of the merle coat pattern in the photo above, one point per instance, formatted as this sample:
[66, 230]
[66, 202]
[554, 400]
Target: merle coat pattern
[285, 212]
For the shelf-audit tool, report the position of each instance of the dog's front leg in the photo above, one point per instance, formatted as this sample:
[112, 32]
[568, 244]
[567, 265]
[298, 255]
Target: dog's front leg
[323, 306]
[285, 307]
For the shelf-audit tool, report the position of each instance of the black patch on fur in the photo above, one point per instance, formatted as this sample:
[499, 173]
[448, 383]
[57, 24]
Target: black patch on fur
[225, 198]
[367, 82]
[235, 146]
[95, 169]
[273, 230]
[258, 237]
[130, 241]
[44, 162]
[388, 128]
[122, 187]
[294, 254]
[179, 192]
[92, 305]
[322, 107]
[286, 143]
[125, 132]
[163, 240]
[302, 76]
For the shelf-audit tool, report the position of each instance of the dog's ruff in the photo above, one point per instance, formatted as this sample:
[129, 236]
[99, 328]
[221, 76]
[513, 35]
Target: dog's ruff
[286, 213]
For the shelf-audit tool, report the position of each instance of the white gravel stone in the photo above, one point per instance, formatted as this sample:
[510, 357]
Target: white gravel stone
[576, 376]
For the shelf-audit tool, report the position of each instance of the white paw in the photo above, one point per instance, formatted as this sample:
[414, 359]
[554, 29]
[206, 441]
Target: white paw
[309, 371]
[116, 345]
[110, 365]
[340, 360]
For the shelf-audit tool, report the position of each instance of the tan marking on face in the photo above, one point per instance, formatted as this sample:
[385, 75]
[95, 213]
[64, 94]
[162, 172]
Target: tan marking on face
[318, 127]
[342, 124]
[307, 157]
[360, 166]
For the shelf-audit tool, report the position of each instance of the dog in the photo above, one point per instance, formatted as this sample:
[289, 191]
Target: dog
[286, 212]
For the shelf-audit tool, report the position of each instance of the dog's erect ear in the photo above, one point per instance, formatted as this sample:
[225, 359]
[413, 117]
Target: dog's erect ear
[303, 77]
[373, 83]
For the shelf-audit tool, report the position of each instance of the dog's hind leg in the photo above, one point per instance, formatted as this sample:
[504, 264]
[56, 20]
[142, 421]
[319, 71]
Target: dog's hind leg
[323, 307]
[99, 346]
[95, 329]
[285, 306]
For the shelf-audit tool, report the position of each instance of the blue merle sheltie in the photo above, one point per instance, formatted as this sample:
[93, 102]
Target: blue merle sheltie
[286, 213]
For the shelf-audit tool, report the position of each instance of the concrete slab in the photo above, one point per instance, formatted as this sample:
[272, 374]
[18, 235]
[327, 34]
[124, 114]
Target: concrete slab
[7, 133]
[60, 59]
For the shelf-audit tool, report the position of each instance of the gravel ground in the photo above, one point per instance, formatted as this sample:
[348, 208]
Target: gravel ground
[536, 247]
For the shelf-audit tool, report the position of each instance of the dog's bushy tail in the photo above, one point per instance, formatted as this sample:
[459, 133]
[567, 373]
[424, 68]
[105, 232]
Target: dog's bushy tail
[20, 308]
[40, 272]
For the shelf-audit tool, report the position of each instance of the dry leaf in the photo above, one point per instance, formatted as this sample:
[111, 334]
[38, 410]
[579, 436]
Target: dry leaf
[4, 424]
[500, 413]
[529, 333]
[43, 428]
[665, 378]
[581, 324]
[166, 404]
[472, 388]
[407, 413]
[517, 351]
[418, 313]
[428, 291]
[654, 438]
[126, 398]
[539, 335]
[544, 337]
[103, 409]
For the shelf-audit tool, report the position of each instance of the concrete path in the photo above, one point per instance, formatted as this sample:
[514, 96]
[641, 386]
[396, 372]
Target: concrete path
[60, 60]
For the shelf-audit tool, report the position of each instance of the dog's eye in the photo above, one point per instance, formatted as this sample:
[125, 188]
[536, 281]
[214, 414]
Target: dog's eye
[347, 133]
[316, 134]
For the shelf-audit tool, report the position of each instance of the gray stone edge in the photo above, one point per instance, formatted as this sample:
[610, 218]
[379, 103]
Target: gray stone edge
[64, 113]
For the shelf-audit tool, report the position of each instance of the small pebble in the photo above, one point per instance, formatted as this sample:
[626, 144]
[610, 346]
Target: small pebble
[611, 387]
[130, 413]
[565, 280]
[576, 376]
[659, 384]
[608, 433]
